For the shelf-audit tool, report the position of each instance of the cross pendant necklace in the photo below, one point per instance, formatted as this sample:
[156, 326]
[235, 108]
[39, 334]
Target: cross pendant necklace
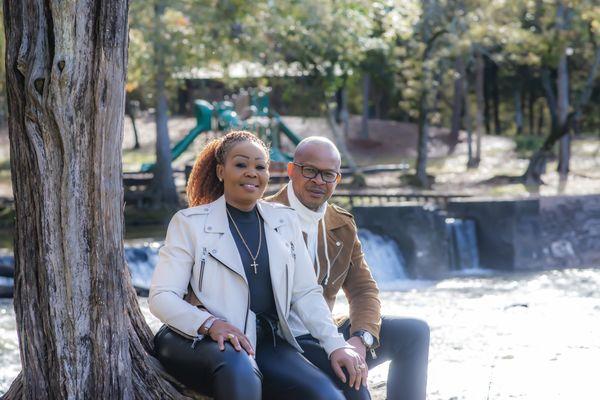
[253, 257]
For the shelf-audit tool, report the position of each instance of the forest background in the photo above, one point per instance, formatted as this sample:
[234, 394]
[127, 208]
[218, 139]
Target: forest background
[449, 72]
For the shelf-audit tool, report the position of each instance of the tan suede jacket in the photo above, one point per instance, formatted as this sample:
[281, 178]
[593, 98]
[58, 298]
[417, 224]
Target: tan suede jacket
[349, 270]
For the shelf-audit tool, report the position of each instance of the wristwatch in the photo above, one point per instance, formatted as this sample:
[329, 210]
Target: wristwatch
[365, 337]
[368, 340]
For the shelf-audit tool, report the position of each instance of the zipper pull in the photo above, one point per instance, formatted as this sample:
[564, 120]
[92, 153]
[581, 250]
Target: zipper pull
[197, 338]
[293, 250]
[373, 355]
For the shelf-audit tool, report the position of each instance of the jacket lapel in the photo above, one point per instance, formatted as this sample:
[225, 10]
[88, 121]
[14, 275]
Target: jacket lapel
[217, 223]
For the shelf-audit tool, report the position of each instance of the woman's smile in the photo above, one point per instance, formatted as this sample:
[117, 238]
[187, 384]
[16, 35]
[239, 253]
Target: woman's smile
[245, 175]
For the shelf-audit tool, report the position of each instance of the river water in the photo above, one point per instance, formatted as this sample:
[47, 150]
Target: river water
[498, 336]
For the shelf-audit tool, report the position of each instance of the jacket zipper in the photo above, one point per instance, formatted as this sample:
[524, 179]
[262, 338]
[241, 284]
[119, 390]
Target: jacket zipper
[195, 339]
[286, 284]
[339, 276]
[202, 264]
[248, 302]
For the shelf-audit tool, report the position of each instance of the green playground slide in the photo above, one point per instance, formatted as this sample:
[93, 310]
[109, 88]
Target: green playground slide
[204, 119]
[203, 111]
[295, 139]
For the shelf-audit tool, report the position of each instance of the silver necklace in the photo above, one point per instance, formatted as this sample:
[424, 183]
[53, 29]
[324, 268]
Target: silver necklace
[254, 264]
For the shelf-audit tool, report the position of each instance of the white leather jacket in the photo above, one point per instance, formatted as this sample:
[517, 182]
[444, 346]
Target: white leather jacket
[200, 253]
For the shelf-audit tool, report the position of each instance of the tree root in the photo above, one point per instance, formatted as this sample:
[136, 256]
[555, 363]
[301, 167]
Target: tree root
[15, 392]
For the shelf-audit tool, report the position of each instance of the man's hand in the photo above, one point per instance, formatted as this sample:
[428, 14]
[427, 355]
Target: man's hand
[359, 347]
[354, 365]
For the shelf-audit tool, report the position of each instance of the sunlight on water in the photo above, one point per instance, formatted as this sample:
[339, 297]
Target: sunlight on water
[512, 336]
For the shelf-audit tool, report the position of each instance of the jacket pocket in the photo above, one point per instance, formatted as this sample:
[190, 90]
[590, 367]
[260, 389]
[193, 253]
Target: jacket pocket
[202, 266]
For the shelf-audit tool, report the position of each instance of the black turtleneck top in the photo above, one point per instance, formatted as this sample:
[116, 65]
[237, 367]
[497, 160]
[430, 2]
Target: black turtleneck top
[262, 301]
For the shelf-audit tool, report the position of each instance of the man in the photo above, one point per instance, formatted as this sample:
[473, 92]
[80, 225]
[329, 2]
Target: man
[331, 237]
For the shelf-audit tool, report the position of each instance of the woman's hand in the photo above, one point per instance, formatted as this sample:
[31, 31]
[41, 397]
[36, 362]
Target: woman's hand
[355, 366]
[220, 331]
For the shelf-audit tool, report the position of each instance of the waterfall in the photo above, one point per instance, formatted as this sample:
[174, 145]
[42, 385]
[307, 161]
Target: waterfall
[385, 260]
[462, 244]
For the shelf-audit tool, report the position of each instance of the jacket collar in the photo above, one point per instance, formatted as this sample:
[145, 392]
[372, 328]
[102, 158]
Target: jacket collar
[217, 222]
[332, 219]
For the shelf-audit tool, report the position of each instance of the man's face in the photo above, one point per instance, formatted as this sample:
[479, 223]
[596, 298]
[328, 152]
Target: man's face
[313, 192]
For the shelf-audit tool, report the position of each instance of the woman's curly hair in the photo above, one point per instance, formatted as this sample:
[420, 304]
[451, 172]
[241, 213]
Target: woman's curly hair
[203, 185]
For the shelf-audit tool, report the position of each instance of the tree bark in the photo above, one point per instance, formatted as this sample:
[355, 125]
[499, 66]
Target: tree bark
[80, 329]
[457, 103]
[163, 185]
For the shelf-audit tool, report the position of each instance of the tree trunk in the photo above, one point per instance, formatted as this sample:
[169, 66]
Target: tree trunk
[457, 103]
[486, 93]
[80, 329]
[518, 112]
[421, 168]
[344, 114]
[495, 98]
[540, 121]
[131, 110]
[533, 176]
[468, 125]
[562, 89]
[163, 185]
[479, 82]
[364, 129]
[357, 178]
[531, 93]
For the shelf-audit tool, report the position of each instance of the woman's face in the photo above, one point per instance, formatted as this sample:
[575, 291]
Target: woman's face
[245, 174]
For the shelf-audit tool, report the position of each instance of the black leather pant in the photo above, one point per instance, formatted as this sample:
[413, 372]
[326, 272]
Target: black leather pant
[278, 372]
[404, 341]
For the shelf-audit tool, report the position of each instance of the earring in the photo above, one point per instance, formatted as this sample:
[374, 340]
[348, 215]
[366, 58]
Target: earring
[220, 180]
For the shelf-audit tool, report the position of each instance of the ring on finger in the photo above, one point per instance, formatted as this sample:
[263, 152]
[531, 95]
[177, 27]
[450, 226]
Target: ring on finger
[362, 366]
[230, 336]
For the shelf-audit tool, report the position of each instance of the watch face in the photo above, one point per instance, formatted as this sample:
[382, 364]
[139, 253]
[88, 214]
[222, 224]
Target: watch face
[368, 339]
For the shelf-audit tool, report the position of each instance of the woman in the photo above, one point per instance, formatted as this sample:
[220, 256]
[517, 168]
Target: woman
[241, 265]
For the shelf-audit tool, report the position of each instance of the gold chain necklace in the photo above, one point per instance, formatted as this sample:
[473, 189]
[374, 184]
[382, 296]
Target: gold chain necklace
[254, 264]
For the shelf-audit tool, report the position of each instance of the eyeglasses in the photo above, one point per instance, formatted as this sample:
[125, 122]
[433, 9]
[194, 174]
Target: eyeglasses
[309, 172]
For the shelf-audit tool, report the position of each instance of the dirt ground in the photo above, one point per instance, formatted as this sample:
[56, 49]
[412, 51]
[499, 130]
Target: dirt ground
[389, 142]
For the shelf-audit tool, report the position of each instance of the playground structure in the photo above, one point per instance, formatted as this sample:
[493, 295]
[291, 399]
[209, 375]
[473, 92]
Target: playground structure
[249, 110]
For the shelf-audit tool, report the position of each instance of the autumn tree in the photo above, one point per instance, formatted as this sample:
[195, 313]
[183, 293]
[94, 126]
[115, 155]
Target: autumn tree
[315, 36]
